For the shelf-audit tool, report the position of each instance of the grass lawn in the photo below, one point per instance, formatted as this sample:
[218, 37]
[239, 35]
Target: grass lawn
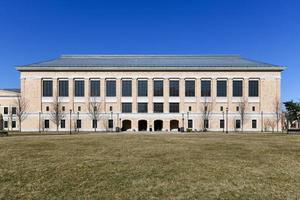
[163, 166]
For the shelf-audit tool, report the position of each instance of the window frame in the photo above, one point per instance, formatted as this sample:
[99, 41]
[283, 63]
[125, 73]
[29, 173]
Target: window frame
[63, 92]
[110, 92]
[190, 89]
[142, 92]
[79, 90]
[174, 88]
[47, 92]
[237, 90]
[126, 110]
[160, 91]
[126, 89]
[161, 105]
[205, 92]
[221, 89]
[95, 88]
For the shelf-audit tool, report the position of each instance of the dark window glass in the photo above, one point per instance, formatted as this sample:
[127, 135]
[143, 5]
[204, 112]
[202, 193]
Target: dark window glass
[190, 108]
[221, 108]
[79, 88]
[253, 88]
[142, 107]
[190, 123]
[221, 123]
[5, 110]
[237, 89]
[221, 88]
[63, 90]
[189, 88]
[47, 108]
[142, 88]
[126, 88]
[78, 123]
[13, 124]
[5, 124]
[94, 123]
[63, 108]
[79, 108]
[95, 88]
[158, 88]
[174, 107]
[205, 88]
[110, 123]
[174, 88]
[254, 123]
[14, 110]
[46, 123]
[110, 108]
[206, 123]
[111, 88]
[47, 88]
[237, 123]
[158, 107]
[63, 123]
[126, 107]
[237, 108]
[253, 108]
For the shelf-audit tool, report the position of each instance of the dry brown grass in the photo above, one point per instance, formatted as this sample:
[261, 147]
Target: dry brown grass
[136, 166]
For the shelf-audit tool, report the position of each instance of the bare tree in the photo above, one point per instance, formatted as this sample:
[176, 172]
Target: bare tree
[206, 109]
[10, 118]
[266, 124]
[242, 111]
[272, 123]
[56, 114]
[277, 109]
[21, 110]
[94, 111]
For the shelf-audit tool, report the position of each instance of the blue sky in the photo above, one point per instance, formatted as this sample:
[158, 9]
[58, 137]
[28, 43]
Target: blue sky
[36, 30]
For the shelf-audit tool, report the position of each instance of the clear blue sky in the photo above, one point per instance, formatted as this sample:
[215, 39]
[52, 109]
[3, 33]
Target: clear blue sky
[36, 30]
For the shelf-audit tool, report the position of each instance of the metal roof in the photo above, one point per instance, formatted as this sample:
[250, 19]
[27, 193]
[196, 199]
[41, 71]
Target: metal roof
[150, 62]
[16, 90]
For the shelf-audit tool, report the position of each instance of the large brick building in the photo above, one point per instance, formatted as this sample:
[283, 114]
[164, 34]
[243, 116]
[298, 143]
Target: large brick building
[150, 92]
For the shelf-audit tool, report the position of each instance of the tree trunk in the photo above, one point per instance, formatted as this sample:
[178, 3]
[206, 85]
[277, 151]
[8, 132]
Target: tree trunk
[20, 126]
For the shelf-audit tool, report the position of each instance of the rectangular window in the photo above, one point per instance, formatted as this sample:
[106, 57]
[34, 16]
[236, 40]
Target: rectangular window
[126, 88]
[63, 90]
[126, 107]
[142, 88]
[205, 88]
[237, 88]
[253, 88]
[254, 123]
[5, 110]
[221, 108]
[189, 88]
[253, 108]
[237, 108]
[174, 107]
[158, 88]
[221, 88]
[13, 124]
[110, 123]
[62, 123]
[95, 88]
[142, 107]
[47, 88]
[46, 123]
[237, 123]
[5, 124]
[221, 123]
[13, 110]
[158, 107]
[206, 123]
[174, 88]
[110, 88]
[78, 123]
[94, 123]
[190, 123]
[79, 88]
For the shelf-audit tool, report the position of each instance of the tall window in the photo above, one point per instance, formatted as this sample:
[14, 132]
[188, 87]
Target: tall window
[158, 88]
[63, 123]
[126, 88]
[237, 88]
[110, 123]
[13, 110]
[189, 88]
[13, 124]
[158, 107]
[46, 123]
[206, 123]
[63, 90]
[174, 88]
[205, 88]
[110, 88]
[95, 88]
[221, 123]
[142, 88]
[221, 88]
[126, 107]
[79, 88]
[142, 107]
[47, 88]
[174, 107]
[78, 123]
[190, 123]
[94, 123]
[237, 123]
[253, 88]
[6, 110]
[254, 123]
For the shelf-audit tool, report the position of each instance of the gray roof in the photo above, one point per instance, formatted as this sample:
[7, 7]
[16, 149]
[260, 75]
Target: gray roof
[150, 62]
[16, 90]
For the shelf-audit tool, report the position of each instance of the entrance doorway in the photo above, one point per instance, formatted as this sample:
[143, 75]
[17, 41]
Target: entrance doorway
[174, 125]
[142, 125]
[126, 124]
[158, 125]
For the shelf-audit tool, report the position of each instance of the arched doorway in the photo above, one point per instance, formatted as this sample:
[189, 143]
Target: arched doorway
[174, 125]
[142, 125]
[158, 125]
[126, 124]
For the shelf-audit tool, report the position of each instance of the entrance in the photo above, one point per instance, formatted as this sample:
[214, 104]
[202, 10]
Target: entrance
[158, 125]
[174, 125]
[126, 124]
[142, 125]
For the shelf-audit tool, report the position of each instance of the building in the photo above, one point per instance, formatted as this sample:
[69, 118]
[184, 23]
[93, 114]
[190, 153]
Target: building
[8, 109]
[150, 92]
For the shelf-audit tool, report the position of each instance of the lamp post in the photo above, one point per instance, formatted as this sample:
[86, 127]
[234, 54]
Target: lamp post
[70, 121]
[223, 122]
[227, 120]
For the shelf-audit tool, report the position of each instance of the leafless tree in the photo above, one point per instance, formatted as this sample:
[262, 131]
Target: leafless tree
[94, 111]
[206, 109]
[242, 111]
[21, 110]
[277, 109]
[266, 124]
[56, 114]
[10, 118]
[272, 123]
